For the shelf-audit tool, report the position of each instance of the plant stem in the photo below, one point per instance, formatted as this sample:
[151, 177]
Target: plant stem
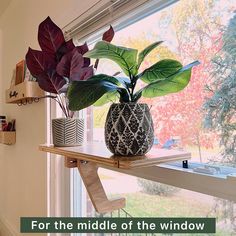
[63, 106]
[133, 83]
[96, 64]
[55, 98]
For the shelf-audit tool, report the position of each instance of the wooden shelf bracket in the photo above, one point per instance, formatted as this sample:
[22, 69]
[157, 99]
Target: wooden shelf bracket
[89, 174]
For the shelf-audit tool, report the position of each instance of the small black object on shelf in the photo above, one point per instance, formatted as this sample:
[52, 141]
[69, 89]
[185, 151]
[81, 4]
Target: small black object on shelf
[185, 164]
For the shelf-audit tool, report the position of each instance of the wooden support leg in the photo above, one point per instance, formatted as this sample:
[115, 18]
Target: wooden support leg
[92, 182]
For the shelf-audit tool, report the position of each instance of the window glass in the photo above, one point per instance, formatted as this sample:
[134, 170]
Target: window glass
[191, 30]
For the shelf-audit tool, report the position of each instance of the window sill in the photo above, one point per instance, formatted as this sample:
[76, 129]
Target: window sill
[219, 185]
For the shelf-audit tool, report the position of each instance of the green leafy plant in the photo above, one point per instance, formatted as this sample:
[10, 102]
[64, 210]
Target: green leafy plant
[163, 77]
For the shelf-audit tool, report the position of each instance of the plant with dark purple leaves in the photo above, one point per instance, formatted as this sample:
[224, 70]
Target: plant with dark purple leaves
[59, 62]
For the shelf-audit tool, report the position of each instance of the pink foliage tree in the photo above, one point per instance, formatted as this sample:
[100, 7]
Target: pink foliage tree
[181, 114]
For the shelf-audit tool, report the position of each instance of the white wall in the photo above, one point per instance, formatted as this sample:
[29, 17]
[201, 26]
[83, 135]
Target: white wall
[22, 166]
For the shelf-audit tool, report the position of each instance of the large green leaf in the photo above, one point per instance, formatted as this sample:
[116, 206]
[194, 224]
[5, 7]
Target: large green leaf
[124, 57]
[173, 84]
[116, 80]
[111, 96]
[82, 94]
[161, 70]
[104, 77]
[146, 51]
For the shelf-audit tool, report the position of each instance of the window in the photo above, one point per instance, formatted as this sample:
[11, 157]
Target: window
[191, 30]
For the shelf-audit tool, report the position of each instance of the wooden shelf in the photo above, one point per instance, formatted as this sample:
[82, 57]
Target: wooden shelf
[89, 157]
[25, 92]
[99, 154]
[8, 137]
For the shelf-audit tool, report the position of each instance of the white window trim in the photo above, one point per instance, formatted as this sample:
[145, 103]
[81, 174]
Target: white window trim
[62, 195]
[58, 177]
[119, 13]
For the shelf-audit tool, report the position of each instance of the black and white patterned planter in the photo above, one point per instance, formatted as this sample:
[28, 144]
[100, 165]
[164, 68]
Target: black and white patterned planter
[67, 132]
[129, 129]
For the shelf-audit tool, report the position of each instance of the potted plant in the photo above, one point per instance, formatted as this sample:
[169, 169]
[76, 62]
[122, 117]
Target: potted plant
[129, 126]
[58, 64]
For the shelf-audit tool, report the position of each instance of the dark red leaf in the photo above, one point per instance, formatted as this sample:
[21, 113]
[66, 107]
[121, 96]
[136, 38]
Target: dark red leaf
[82, 50]
[70, 64]
[50, 36]
[39, 62]
[108, 35]
[63, 67]
[86, 62]
[51, 82]
[84, 74]
[65, 48]
[70, 45]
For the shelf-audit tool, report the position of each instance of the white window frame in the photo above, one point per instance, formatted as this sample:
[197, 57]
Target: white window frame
[60, 192]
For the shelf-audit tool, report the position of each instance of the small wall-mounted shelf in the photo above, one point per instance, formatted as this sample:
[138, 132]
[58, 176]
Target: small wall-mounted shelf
[23, 93]
[8, 137]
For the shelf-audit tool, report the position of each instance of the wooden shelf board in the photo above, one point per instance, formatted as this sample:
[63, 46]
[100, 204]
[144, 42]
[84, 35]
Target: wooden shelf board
[99, 154]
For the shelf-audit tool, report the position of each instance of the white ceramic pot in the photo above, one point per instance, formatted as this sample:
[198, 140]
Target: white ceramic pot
[68, 132]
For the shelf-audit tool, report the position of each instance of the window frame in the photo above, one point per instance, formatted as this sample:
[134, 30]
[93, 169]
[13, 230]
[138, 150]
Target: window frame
[63, 199]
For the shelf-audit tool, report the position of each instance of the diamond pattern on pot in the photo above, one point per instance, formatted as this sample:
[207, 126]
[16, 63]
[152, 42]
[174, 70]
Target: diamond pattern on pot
[120, 125]
[133, 124]
[115, 114]
[126, 113]
[129, 129]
